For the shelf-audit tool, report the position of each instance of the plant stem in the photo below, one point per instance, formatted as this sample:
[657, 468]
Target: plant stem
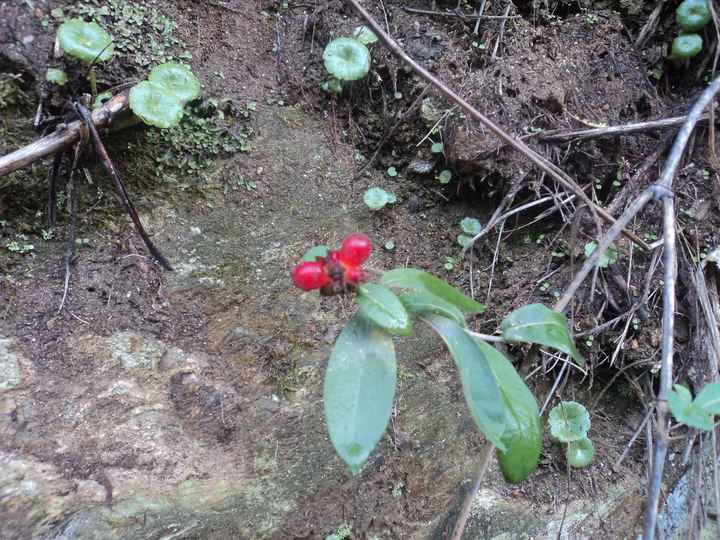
[485, 337]
[467, 504]
[93, 81]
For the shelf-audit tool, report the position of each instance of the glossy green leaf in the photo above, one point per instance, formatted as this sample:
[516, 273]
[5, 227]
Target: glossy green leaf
[569, 421]
[419, 303]
[359, 390]
[376, 198]
[479, 386]
[155, 106]
[437, 148]
[178, 79]
[709, 398]
[686, 46]
[101, 99]
[580, 453]
[523, 433]
[445, 176]
[380, 305]
[56, 76]
[315, 252]
[364, 35]
[470, 226]
[346, 59]
[536, 323]
[85, 41]
[692, 15]
[685, 411]
[418, 280]
[464, 239]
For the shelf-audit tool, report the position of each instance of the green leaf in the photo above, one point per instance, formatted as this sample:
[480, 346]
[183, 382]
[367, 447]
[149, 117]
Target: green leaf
[418, 303]
[539, 324]
[418, 280]
[392, 171]
[523, 433]
[364, 35]
[85, 41]
[315, 252]
[606, 259]
[437, 148]
[481, 391]
[380, 305]
[464, 239]
[346, 59]
[445, 176]
[359, 390]
[580, 453]
[709, 398]
[56, 76]
[177, 79]
[685, 411]
[470, 226]
[569, 421]
[155, 106]
[376, 198]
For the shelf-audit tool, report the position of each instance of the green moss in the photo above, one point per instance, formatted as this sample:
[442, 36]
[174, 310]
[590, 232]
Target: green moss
[209, 130]
[12, 93]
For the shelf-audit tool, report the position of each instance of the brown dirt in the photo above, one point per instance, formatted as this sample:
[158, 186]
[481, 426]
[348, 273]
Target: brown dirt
[566, 74]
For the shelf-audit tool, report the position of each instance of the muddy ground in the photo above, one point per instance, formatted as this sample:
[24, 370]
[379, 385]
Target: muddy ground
[187, 404]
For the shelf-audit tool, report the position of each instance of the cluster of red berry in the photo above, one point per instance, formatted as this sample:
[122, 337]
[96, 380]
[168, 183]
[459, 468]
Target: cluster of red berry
[339, 271]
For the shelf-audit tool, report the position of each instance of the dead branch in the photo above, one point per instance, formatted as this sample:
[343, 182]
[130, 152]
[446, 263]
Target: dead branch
[63, 137]
[545, 165]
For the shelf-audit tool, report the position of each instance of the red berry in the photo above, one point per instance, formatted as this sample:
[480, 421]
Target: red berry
[355, 275]
[355, 249]
[309, 275]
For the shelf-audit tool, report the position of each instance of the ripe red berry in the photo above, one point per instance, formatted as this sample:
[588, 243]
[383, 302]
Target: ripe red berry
[355, 275]
[355, 249]
[309, 275]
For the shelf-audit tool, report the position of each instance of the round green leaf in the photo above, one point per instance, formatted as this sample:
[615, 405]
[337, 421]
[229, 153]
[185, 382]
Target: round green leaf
[437, 148]
[313, 253]
[692, 15]
[85, 41]
[523, 434]
[580, 453]
[178, 79]
[688, 412]
[536, 323]
[606, 259]
[470, 226]
[56, 76]
[464, 239]
[359, 390]
[418, 280]
[687, 46]
[479, 386]
[381, 306]
[101, 98]
[392, 171]
[445, 176]
[364, 35]
[347, 59]
[569, 421]
[375, 198]
[155, 106]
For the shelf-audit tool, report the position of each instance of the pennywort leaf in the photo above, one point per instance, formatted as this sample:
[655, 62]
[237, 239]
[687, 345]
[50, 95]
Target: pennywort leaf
[359, 390]
[580, 453]
[686, 411]
[569, 421]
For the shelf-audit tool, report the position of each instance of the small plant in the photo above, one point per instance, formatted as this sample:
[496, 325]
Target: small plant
[345, 59]
[376, 198]
[445, 176]
[569, 424]
[87, 42]
[365, 36]
[56, 76]
[606, 259]
[160, 101]
[470, 228]
[691, 16]
[361, 375]
[698, 413]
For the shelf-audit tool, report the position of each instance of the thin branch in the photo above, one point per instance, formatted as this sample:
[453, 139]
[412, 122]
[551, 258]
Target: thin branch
[119, 185]
[461, 522]
[557, 135]
[458, 14]
[74, 203]
[545, 165]
[63, 137]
